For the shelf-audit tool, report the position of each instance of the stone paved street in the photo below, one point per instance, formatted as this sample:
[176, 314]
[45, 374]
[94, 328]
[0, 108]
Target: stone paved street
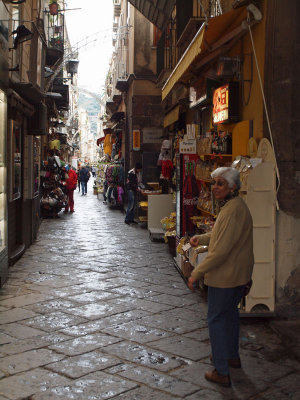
[95, 310]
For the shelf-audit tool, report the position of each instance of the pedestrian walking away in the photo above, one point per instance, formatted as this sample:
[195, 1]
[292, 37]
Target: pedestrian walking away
[227, 271]
[78, 179]
[84, 176]
[132, 185]
[71, 184]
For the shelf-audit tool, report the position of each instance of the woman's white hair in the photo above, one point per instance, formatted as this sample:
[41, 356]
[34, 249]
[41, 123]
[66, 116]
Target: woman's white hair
[231, 175]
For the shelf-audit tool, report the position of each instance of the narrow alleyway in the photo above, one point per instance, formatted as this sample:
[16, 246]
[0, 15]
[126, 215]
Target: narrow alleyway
[95, 310]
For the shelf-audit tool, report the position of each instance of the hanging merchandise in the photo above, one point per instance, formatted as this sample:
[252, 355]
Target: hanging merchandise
[113, 192]
[167, 169]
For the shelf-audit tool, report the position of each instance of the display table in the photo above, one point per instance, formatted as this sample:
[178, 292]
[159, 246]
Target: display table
[159, 205]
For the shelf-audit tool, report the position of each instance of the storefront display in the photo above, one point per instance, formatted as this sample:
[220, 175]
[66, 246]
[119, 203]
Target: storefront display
[53, 177]
[113, 185]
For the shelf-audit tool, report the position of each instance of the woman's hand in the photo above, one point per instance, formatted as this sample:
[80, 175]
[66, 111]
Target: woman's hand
[191, 283]
[194, 241]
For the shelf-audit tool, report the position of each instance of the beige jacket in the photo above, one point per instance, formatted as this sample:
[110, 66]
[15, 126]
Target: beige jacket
[229, 261]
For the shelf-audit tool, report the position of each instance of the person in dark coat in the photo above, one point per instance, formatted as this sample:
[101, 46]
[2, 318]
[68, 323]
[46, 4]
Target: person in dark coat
[132, 186]
[84, 176]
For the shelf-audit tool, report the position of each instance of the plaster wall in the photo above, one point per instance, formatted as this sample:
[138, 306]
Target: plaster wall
[287, 256]
[143, 40]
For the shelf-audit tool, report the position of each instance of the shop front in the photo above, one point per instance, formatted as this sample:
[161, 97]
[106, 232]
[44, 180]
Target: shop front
[223, 127]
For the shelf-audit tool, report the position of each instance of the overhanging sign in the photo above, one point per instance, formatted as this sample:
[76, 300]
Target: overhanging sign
[221, 105]
[225, 104]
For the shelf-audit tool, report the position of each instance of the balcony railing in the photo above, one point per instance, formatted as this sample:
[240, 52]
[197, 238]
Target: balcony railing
[55, 30]
[166, 50]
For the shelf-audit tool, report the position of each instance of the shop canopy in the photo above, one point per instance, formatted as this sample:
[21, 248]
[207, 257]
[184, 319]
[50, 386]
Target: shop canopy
[207, 45]
[156, 11]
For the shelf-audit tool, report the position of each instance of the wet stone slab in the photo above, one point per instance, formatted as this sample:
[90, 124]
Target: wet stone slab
[22, 301]
[91, 297]
[99, 310]
[206, 394]
[20, 331]
[135, 332]
[16, 314]
[4, 338]
[144, 355]
[158, 380]
[51, 306]
[187, 314]
[95, 386]
[28, 360]
[84, 344]
[183, 347]
[171, 300]
[145, 393]
[26, 384]
[83, 364]
[199, 334]
[134, 292]
[172, 324]
[145, 305]
[95, 326]
[53, 321]
[20, 346]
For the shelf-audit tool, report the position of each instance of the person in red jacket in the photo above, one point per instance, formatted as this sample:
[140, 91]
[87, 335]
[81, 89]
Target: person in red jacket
[71, 184]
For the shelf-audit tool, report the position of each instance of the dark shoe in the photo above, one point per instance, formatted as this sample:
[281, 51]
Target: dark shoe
[126, 222]
[215, 377]
[71, 211]
[66, 212]
[235, 363]
[134, 222]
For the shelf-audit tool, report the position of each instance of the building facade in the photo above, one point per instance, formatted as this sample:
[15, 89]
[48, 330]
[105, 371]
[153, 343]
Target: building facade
[34, 93]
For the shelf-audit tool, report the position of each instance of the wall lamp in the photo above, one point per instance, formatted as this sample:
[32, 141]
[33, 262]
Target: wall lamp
[23, 34]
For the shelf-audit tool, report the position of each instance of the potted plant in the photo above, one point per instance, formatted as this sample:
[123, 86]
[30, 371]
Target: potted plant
[53, 7]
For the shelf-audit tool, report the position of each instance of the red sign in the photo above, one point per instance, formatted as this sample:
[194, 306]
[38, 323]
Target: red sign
[221, 105]
[136, 140]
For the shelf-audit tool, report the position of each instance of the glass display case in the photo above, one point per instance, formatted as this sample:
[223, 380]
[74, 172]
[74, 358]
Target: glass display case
[3, 202]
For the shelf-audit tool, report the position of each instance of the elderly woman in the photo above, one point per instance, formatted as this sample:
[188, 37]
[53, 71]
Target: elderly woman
[227, 270]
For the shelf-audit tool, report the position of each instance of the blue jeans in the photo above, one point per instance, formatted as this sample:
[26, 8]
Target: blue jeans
[131, 206]
[224, 325]
[83, 187]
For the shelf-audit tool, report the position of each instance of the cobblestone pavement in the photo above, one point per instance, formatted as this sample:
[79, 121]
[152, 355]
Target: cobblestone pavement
[95, 310]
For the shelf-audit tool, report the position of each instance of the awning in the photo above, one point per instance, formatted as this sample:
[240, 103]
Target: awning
[211, 36]
[171, 117]
[156, 11]
[29, 92]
